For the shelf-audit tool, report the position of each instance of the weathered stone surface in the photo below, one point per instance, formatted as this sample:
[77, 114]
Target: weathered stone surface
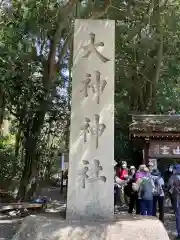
[91, 158]
[123, 228]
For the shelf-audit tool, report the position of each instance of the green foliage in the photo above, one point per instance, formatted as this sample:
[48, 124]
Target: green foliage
[9, 164]
[147, 63]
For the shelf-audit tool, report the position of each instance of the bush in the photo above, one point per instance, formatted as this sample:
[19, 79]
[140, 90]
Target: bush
[9, 165]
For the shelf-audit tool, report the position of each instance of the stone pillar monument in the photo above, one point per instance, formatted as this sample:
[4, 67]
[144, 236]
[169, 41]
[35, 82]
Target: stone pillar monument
[91, 174]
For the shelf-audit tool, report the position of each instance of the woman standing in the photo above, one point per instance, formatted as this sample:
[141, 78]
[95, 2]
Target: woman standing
[135, 189]
[132, 194]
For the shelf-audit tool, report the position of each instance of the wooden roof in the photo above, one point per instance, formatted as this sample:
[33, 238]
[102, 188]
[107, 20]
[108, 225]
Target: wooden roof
[149, 125]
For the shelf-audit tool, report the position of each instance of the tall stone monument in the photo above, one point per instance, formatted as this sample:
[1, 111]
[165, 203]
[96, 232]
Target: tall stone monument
[91, 175]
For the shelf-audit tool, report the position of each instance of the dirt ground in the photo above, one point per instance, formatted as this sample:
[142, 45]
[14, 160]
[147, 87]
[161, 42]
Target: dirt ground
[10, 224]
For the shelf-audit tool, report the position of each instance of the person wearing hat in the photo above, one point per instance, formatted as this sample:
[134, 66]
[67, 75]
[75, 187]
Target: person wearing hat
[174, 188]
[132, 171]
[158, 194]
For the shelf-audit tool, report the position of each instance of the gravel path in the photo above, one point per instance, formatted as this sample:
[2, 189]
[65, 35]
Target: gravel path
[8, 228]
[170, 225]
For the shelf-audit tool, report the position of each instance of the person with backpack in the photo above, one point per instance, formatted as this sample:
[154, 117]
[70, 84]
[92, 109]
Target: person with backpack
[174, 189]
[140, 173]
[158, 194]
[145, 193]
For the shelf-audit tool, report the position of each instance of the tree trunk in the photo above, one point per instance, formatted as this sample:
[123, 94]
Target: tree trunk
[30, 171]
[33, 187]
[68, 122]
[157, 16]
[17, 142]
[157, 76]
[2, 108]
[29, 164]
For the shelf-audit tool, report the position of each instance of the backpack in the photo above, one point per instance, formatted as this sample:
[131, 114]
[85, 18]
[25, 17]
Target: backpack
[157, 191]
[146, 189]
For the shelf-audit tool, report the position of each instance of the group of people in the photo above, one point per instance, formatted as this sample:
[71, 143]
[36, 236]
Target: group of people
[144, 189]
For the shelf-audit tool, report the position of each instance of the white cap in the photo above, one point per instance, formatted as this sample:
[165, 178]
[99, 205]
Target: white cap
[132, 167]
[124, 163]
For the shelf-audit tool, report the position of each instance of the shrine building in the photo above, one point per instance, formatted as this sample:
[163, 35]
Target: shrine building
[157, 135]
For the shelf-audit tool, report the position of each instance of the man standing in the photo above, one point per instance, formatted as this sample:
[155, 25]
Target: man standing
[133, 195]
[174, 189]
[158, 194]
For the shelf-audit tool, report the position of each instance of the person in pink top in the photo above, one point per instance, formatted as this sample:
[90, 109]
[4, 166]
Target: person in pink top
[138, 176]
[140, 173]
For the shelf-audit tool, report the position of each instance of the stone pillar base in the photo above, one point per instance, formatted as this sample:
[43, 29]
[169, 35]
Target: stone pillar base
[125, 227]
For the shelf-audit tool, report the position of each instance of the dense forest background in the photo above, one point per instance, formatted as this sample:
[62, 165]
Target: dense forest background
[36, 45]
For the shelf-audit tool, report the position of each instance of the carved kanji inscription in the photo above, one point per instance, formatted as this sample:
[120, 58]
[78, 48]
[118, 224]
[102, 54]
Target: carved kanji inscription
[95, 129]
[83, 174]
[92, 48]
[86, 128]
[97, 86]
[87, 84]
[91, 172]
